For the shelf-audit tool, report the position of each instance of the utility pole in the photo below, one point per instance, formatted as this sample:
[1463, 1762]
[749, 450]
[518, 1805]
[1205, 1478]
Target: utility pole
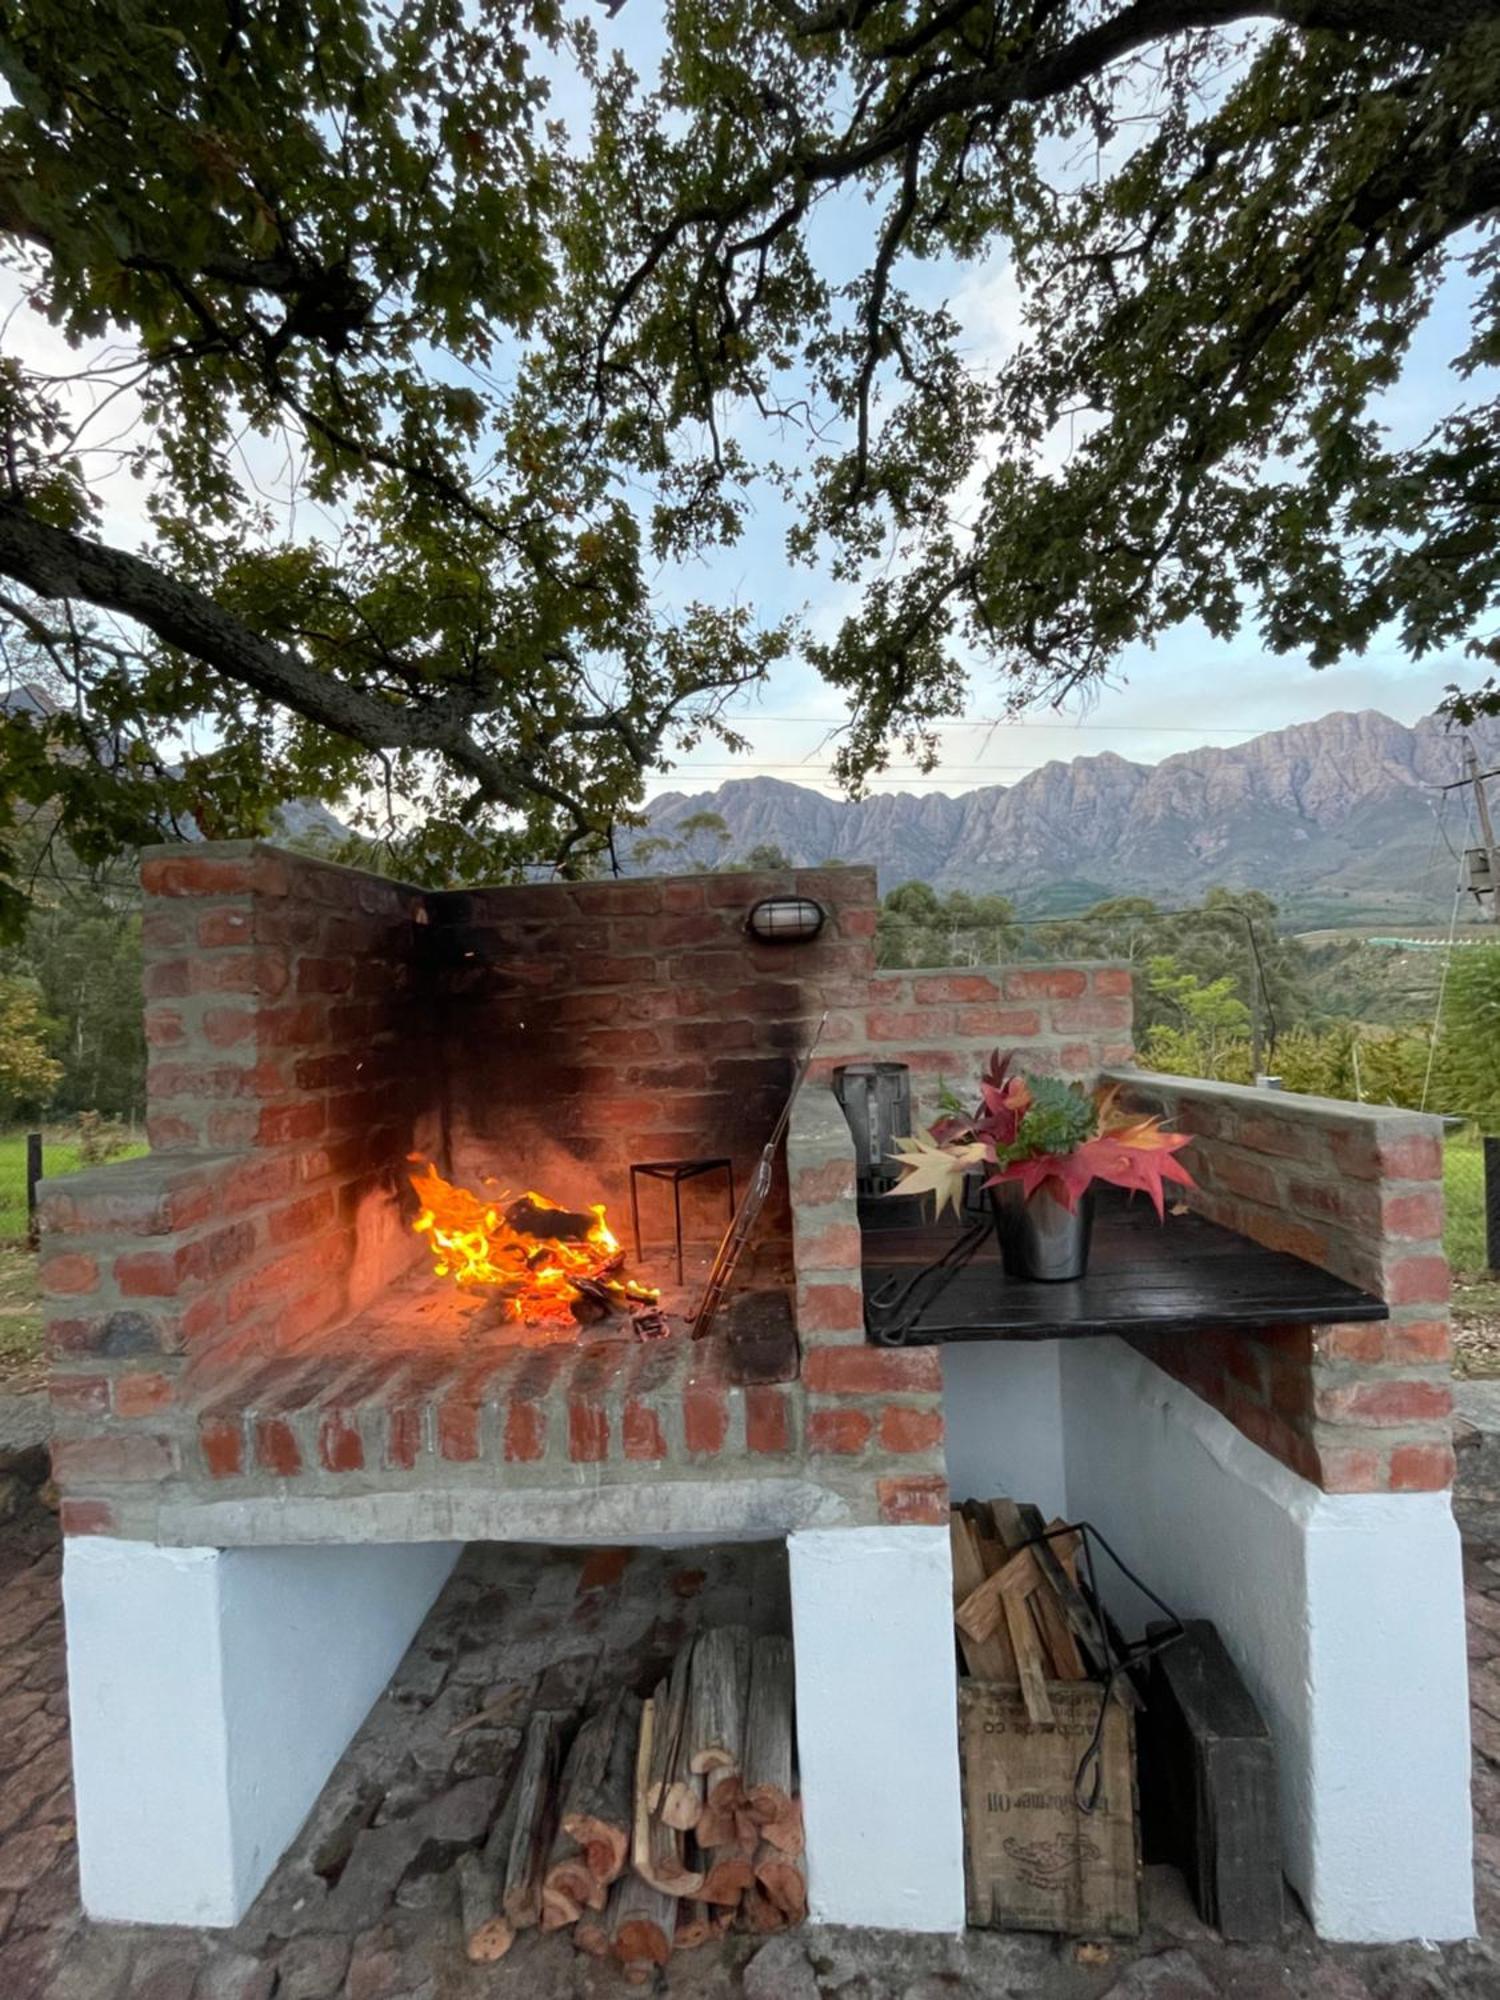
[1486, 825]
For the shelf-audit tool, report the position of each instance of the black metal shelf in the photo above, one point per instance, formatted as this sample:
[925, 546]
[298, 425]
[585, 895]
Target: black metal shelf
[1184, 1275]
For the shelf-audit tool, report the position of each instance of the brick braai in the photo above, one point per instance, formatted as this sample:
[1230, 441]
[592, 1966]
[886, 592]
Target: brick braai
[247, 1340]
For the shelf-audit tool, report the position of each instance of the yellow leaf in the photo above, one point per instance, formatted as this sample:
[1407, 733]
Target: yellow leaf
[928, 1168]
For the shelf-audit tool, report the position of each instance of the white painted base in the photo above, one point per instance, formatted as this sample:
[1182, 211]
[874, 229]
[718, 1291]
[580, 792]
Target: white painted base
[1345, 1613]
[877, 1729]
[212, 1691]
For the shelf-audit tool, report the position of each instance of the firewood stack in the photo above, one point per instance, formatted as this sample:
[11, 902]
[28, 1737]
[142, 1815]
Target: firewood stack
[1021, 1617]
[666, 1822]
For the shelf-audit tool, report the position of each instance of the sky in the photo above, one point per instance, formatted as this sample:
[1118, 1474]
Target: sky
[1189, 689]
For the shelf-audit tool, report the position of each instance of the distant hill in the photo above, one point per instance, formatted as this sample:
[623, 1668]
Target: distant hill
[1341, 820]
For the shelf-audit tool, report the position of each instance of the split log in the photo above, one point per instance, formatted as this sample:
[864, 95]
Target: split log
[645, 1923]
[488, 1935]
[680, 1799]
[716, 1706]
[570, 1884]
[728, 1872]
[657, 1852]
[695, 1926]
[758, 1913]
[783, 1877]
[767, 1778]
[595, 1929]
[787, 1833]
[535, 1822]
[727, 1822]
[991, 1658]
[598, 1791]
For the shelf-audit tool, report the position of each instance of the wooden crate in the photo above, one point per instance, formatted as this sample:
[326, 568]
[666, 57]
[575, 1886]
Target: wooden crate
[1032, 1860]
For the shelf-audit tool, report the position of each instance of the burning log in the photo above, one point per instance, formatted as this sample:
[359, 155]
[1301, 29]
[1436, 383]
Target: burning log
[530, 1215]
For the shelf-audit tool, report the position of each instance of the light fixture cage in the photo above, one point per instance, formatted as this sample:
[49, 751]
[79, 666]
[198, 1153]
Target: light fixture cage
[786, 919]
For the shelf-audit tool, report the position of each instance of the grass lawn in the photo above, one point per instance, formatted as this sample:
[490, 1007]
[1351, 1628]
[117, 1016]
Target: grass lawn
[21, 1365]
[1463, 1185]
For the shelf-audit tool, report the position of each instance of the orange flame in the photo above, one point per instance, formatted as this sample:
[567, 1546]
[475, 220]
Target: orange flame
[474, 1242]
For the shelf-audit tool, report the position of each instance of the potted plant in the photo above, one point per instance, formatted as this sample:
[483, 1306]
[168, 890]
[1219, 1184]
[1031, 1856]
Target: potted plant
[1041, 1145]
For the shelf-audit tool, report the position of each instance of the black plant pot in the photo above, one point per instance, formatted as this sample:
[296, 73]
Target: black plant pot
[1040, 1237]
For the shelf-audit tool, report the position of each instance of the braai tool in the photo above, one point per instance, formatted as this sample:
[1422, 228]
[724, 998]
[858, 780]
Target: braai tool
[738, 1233]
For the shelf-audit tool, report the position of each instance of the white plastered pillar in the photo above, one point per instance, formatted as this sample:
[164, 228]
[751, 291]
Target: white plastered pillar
[877, 1730]
[211, 1693]
[1343, 1611]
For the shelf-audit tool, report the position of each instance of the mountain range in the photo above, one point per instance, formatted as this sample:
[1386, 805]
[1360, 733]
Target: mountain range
[1342, 820]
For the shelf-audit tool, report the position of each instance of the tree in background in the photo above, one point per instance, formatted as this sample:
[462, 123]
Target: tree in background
[1470, 1045]
[440, 401]
[916, 926]
[27, 1072]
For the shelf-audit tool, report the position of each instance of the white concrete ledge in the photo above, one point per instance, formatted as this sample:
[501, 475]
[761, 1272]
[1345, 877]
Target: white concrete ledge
[662, 1511]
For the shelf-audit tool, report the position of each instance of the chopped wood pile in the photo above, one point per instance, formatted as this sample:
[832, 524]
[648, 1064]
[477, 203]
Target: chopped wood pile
[661, 1824]
[1022, 1618]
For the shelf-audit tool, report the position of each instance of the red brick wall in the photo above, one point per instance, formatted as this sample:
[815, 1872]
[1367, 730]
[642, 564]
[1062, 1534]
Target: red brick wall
[588, 1025]
[1358, 1190]
[285, 1087]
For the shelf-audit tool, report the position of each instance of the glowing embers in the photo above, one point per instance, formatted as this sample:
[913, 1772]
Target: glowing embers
[538, 1261]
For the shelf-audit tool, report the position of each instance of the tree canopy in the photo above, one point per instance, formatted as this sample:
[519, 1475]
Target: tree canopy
[444, 348]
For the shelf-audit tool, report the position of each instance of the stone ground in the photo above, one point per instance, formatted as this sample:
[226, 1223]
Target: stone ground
[363, 1907]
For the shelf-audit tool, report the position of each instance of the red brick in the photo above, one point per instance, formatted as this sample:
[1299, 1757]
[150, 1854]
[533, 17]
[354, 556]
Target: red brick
[953, 986]
[285, 1124]
[833, 1181]
[303, 1218]
[1071, 1017]
[887, 1024]
[1112, 980]
[164, 1028]
[141, 1394]
[1377, 1401]
[87, 1517]
[1412, 1216]
[324, 975]
[221, 1441]
[705, 1418]
[641, 1431]
[79, 1395]
[588, 1431]
[1419, 1340]
[458, 1431]
[276, 1447]
[1250, 1178]
[830, 1308]
[1003, 1023]
[404, 1436]
[147, 1274]
[68, 1274]
[1421, 1468]
[122, 1459]
[217, 928]
[768, 1427]
[340, 1446]
[192, 875]
[835, 1249]
[1045, 983]
[525, 1431]
[839, 1431]
[228, 1027]
[921, 1500]
[903, 1429]
[1417, 1281]
[872, 1371]
[1353, 1342]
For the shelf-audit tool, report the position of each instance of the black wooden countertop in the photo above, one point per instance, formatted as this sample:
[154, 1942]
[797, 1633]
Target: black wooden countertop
[1183, 1275]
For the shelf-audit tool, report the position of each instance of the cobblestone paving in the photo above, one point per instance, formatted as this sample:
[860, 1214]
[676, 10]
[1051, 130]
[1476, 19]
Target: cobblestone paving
[364, 1906]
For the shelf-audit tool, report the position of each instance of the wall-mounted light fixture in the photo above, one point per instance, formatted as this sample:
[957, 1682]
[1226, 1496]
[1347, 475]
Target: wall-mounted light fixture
[785, 920]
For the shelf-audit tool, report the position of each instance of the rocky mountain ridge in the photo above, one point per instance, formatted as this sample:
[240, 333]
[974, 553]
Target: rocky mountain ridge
[1342, 819]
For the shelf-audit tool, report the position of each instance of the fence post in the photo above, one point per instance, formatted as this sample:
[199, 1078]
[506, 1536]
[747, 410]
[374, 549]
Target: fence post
[33, 1175]
[1492, 1204]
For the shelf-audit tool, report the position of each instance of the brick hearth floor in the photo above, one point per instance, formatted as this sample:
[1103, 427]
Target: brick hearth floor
[364, 1909]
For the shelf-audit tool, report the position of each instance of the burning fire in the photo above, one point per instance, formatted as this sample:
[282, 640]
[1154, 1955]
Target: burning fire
[541, 1260]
